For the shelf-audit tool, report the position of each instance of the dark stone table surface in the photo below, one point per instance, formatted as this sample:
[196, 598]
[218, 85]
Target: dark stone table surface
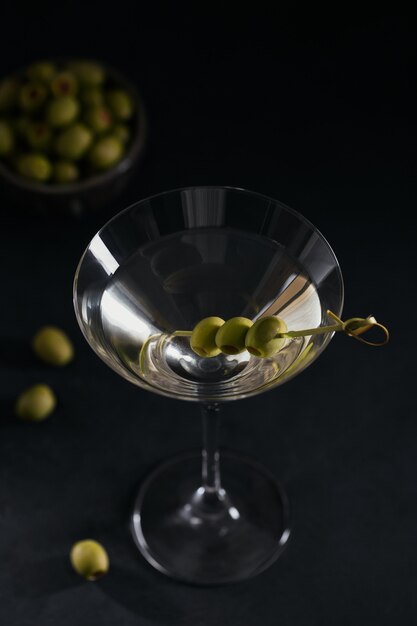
[320, 114]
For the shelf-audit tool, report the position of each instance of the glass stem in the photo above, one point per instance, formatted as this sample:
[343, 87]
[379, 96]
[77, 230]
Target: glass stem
[211, 456]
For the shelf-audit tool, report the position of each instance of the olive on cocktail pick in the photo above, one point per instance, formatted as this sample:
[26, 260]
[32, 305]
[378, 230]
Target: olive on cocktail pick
[261, 339]
[230, 338]
[203, 338]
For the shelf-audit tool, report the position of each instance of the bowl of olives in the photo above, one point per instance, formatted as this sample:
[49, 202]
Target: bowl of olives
[71, 134]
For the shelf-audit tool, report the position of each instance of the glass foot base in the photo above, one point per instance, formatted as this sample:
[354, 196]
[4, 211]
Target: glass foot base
[209, 538]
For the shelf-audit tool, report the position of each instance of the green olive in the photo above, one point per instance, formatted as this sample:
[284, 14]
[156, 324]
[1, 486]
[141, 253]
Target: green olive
[92, 96]
[36, 403]
[53, 346]
[42, 71]
[122, 132]
[62, 111]
[34, 166]
[64, 84]
[262, 340]
[203, 339]
[38, 135]
[32, 96]
[230, 338]
[6, 139]
[73, 142]
[88, 72]
[65, 172]
[9, 89]
[98, 118]
[106, 152]
[89, 559]
[120, 104]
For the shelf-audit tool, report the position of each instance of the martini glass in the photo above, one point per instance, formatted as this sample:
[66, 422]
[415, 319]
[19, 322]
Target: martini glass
[158, 268]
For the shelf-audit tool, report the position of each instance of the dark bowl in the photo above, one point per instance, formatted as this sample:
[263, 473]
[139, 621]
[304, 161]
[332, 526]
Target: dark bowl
[91, 193]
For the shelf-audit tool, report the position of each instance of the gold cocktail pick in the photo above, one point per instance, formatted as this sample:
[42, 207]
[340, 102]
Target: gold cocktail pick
[353, 327]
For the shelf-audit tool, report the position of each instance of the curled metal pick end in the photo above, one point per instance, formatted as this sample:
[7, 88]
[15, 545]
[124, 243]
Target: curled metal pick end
[356, 326]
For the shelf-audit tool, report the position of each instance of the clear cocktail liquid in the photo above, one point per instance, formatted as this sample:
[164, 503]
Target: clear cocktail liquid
[173, 282]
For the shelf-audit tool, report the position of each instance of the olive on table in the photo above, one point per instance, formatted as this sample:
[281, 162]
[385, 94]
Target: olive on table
[89, 559]
[53, 346]
[36, 403]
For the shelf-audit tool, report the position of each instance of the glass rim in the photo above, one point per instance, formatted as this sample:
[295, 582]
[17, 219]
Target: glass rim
[178, 190]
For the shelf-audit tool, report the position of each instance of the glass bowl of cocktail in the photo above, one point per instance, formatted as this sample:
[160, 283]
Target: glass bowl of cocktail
[210, 294]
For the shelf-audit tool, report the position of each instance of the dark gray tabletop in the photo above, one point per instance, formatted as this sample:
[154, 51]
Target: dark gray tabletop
[323, 119]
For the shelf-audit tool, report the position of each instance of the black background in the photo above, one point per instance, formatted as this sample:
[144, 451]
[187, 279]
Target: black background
[316, 110]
